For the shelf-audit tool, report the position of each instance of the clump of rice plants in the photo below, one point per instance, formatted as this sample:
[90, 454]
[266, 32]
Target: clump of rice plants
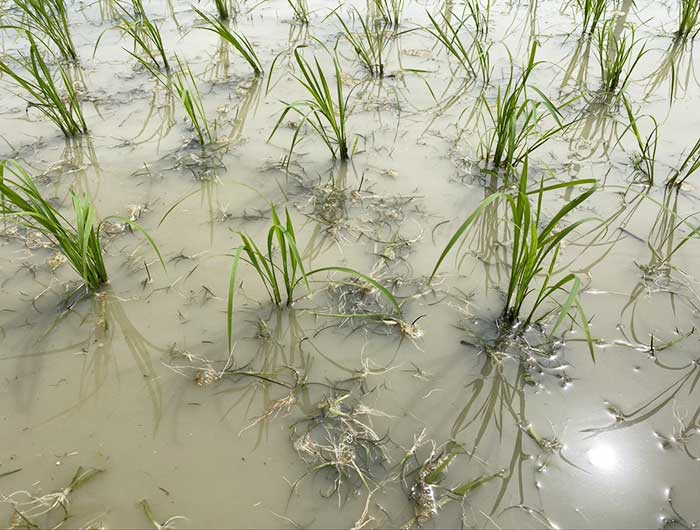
[618, 55]
[516, 120]
[282, 276]
[49, 18]
[41, 90]
[326, 112]
[593, 11]
[239, 41]
[535, 242]
[370, 43]
[80, 243]
[145, 34]
[688, 18]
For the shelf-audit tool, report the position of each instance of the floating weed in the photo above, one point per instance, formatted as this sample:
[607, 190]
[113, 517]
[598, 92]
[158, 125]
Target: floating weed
[33, 511]
[532, 247]
[370, 43]
[688, 18]
[618, 55]
[339, 438]
[21, 200]
[42, 92]
[326, 113]
[50, 18]
[165, 525]
[239, 41]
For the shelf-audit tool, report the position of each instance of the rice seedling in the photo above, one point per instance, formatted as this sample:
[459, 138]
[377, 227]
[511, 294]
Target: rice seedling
[185, 87]
[516, 120]
[688, 18]
[326, 113]
[301, 10]
[165, 525]
[50, 510]
[645, 160]
[532, 247]
[689, 165]
[618, 55]
[80, 243]
[281, 277]
[144, 33]
[449, 36]
[49, 18]
[42, 92]
[370, 43]
[389, 10]
[239, 41]
[593, 11]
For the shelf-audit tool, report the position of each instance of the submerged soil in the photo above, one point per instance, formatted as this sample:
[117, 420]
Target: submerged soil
[340, 421]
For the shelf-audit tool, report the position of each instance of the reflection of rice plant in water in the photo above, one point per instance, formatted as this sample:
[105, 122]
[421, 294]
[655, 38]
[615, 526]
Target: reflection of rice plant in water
[645, 160]
[689, 165]
[533, 246]
[239, 41]
[688, 18]
[325, 112]
[50, 18]
[370, 43]
[41, 90]
[618, 55]
[80, 243]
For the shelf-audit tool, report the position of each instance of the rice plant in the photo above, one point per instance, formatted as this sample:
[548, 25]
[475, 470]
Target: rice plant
[301, 10]
[449, 36]
[618, 55]
[516, 120]
[688, 18]
[535, 242]
[282, 276]
[49, 18]
[185, 87]
[388, 10]
[645, 161]
[370, 43]
[224, 9]
[22, 201]
[325, 112]
[41, 90]
[481, 16]
[689, 165]
[593, 11]
[239, 41]
[144, 33]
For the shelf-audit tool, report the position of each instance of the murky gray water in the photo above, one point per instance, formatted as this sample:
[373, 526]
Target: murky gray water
[109, 382]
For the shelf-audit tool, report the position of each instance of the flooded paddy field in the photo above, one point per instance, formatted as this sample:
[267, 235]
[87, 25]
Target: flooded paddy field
[385, 264]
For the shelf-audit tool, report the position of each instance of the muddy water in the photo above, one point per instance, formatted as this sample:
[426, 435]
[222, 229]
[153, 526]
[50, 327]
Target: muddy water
[108, 382]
